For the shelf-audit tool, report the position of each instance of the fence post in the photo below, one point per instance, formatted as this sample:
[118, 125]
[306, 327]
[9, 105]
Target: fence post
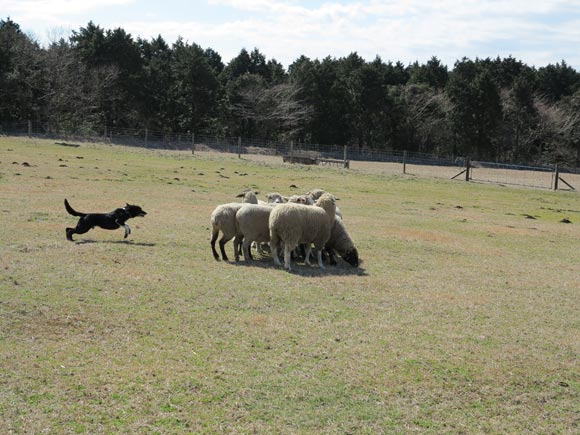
[192, 143]
[239, 145]
[146, 138]
[345, 155]
[467, 169]
[29, 127]
[556, 176]
[291, 148]
[405, 162]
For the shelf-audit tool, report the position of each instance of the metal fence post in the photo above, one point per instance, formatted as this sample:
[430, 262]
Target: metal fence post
[345, 161]
[405, 162]
[239, 145]
[556, 176]
[146, 138]
[192, 143]
[29, 127]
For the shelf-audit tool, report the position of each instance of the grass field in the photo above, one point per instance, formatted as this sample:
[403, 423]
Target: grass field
[463, 319]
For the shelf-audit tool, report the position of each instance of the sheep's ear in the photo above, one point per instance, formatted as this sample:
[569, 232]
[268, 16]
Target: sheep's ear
[239, 195]
[256, 192]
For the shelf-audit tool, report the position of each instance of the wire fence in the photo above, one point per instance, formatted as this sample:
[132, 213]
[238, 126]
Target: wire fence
[357, 158]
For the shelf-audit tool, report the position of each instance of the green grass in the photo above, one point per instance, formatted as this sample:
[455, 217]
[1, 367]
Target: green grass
[462, 320]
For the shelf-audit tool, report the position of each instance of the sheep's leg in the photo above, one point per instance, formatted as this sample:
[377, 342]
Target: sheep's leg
[307, 251]
[331, 256]
[223, 241]
[319, 252]
[214, 237]
[246, 248]
[258, 246]
[287, 255]
[237, 247]
[275, 254]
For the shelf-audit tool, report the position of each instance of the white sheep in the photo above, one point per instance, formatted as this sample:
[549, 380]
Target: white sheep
[276, 198]
[317, 193]
[248, 196]
[291, 224]
[223, 219]
[302, 199]
[341, 242]
[251, 226]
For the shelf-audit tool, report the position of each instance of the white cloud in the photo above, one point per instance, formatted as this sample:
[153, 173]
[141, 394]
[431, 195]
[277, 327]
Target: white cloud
[406, 30]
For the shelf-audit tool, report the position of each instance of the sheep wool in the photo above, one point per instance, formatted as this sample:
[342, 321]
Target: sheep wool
[248, 196]
[341, 242]
[223, 219]
[251, 226]
[291, 224]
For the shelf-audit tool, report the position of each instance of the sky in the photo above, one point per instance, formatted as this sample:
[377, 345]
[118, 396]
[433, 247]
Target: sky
[537, 32]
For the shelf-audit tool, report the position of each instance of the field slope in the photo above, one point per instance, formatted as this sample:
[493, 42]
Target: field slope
[463, 318]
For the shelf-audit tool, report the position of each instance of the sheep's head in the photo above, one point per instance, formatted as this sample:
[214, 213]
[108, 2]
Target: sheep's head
[249, 196]
[351, 257]
[301, 199]
[275, 197]
[316, 193]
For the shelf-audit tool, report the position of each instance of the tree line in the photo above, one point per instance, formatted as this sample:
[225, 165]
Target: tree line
[496, 109]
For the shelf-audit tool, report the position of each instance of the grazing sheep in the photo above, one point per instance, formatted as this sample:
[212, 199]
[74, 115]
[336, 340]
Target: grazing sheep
[341, 242]
[291, 224]
[251, 226]
[223, 219]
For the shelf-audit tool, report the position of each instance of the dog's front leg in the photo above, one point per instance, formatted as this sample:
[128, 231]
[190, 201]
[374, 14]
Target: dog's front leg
[127, 230]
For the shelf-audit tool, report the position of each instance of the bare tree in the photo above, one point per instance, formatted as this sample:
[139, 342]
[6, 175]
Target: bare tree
[273, 108]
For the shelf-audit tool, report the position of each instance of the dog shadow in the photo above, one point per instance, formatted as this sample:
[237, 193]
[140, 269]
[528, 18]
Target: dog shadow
[116, 242]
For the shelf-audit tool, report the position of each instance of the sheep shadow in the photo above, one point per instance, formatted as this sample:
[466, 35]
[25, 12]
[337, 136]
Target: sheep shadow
[302, 269]
[115, 242]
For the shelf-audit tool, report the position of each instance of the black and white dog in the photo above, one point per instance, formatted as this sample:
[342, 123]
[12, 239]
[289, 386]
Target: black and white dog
[108, 221]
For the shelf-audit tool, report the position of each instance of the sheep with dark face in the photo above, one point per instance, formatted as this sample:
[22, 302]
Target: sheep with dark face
[292, 224]
[341, 242]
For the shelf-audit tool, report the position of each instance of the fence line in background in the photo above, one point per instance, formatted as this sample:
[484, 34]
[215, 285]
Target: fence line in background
[411, 162]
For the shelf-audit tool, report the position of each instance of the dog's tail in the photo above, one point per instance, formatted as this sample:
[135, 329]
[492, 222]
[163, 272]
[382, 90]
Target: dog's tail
[72, 210]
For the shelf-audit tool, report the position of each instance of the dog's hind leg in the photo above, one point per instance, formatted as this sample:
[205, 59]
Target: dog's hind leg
[81, 228]
[127, 230]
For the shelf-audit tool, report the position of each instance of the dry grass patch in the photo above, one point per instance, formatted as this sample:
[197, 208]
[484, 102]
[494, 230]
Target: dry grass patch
[462, 319]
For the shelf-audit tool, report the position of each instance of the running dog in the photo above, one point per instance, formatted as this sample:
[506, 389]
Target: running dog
[108, 221]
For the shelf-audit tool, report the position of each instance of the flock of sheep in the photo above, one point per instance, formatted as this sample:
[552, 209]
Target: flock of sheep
[292, 225]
